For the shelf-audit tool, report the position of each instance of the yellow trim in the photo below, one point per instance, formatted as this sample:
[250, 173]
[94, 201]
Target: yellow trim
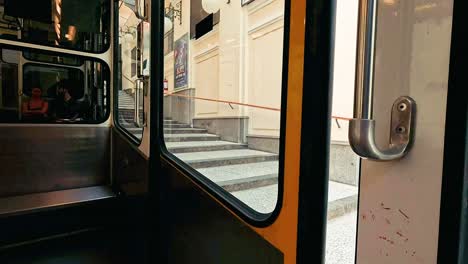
[283, 232]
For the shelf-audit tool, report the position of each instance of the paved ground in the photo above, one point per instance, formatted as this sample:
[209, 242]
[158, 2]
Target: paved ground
[341, 236]
[341, 231]
[338, 191]
[263, 199]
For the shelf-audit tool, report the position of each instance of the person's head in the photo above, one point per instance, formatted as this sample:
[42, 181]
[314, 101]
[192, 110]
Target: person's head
[36, 92]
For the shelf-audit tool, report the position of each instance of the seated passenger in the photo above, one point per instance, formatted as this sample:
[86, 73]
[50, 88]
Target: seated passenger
[36, 108]
[66, 106]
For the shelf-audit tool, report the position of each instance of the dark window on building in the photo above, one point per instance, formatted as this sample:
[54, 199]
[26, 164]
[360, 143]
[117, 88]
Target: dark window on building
[197, 14]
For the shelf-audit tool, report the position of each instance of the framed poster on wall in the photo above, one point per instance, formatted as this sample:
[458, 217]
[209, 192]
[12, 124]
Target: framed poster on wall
[180, 62]
[246, 2]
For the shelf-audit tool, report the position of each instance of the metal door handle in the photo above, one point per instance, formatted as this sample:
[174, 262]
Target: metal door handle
[362, 126]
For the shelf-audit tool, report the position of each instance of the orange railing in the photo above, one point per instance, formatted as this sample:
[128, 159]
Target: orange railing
[237, 103]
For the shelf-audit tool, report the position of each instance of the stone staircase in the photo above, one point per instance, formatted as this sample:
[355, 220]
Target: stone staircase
[233, 166]
[250, 175]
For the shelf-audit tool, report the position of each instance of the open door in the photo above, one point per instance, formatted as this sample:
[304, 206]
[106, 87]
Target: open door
[240, 132]
[410, 205]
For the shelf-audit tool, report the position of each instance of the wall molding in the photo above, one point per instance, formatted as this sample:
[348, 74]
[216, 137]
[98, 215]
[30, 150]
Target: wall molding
[205, 52]
[266, 23]
[253, 8]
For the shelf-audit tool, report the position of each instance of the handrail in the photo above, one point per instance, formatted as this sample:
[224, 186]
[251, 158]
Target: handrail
[223, 101]
[237, 103]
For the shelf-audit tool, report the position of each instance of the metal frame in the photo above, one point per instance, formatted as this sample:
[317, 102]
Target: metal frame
[453, 226]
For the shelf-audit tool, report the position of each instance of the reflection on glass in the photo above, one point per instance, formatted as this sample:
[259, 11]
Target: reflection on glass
[222, 94]
[81, 25]
[51, 93]
[55, 59]
[133, 68]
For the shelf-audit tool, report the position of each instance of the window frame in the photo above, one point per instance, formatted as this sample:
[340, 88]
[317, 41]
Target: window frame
[106, 77]
[49, 53]
[242, 210]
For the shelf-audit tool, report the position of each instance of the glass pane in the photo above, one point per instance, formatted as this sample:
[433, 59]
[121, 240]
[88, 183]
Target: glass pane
[80, 25]
[133, 69]
[49, 58]
[52, 93]
[344, 164]
[222, 94]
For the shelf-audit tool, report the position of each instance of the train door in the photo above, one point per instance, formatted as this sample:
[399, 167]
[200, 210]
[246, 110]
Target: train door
[232, 140]
[412, 174]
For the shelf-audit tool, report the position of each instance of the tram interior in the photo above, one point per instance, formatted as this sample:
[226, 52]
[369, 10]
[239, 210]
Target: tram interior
[64, 167]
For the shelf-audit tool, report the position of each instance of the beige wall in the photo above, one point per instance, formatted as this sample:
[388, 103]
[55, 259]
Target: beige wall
[264, 64]
[240, 60]
[344, 67]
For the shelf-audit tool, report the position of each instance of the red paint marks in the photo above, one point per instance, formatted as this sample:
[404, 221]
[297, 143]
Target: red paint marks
[405, 215]
[399, 233]
[387, 239]
[364, 217]
[373, 217]
[383, 206]
[414, 253]
[388, 221]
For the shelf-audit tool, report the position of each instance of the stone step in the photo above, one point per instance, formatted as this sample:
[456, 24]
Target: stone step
[169, 126]
[168, 121]
[208, 159]
[184, 130]
[199, 146]
[243, 176]
[342, 198]
[134, 129]
[190, 137]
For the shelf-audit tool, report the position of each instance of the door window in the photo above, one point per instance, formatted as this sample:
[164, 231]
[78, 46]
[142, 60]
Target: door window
[223, 104]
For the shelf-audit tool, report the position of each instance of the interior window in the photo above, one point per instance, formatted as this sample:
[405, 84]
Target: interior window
[80, 25]
[49, 93]
[132, 70]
